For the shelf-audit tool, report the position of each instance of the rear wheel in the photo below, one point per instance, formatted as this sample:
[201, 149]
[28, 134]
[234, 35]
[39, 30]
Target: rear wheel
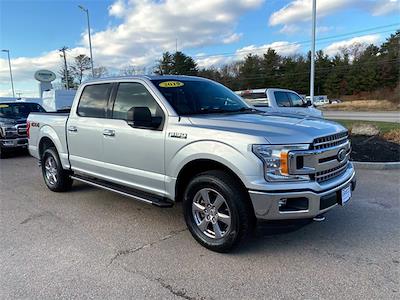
[217, 211]
[55, 177]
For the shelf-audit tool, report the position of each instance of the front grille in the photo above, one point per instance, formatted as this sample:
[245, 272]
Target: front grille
[331, 173]
[330, 140]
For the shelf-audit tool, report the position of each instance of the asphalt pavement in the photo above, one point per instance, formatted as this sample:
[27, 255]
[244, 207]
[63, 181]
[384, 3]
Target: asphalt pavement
[387, 116]
[90, 243]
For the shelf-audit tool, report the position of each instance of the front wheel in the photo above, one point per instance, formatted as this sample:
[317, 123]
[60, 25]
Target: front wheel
[55, 177]
[217, 211]
[3, 153]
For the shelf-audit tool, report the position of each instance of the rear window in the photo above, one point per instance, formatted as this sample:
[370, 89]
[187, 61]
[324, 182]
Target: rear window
[256, 99]
[94, 99]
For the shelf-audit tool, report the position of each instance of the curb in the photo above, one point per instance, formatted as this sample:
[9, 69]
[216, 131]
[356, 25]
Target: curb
[377, 165]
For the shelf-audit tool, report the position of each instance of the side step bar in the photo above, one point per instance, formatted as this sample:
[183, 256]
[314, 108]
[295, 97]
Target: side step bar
[128, 192]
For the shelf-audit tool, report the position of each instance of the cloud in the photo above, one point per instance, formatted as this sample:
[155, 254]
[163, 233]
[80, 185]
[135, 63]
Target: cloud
[145, 29]
[150, 27]
[282, 48]
[232, 38]
[363, 41]
[300, 10]
[386, 7]
[290, 29]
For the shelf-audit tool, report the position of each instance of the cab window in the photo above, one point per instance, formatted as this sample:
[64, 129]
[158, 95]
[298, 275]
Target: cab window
[297, 101]
[93, 101]
[282, 99]
[134, 95]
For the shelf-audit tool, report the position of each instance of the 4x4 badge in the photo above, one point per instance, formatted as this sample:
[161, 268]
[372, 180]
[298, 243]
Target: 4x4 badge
[177, 135]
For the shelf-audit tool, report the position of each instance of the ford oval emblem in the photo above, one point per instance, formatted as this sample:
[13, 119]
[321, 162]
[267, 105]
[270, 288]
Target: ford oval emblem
[341, 156]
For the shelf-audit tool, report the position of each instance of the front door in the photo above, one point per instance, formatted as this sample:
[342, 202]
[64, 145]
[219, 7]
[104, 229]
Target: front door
[134, 155]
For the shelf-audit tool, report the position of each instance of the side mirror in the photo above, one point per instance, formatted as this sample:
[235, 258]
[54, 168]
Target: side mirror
[141, 117]
[308, 103]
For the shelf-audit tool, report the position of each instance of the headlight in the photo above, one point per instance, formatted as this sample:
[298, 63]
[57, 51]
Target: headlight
[275, 159]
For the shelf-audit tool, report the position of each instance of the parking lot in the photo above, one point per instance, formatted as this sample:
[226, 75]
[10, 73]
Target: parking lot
[91, 243]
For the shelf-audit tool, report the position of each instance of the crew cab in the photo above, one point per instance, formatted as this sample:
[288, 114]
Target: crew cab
[13, 116]
[168, 139]
[280, 101]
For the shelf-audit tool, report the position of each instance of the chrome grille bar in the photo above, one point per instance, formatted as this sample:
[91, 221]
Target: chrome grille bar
[329, 174]
[330, 141]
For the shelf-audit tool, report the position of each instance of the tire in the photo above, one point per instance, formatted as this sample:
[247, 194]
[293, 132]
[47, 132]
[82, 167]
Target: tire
[3, 153]
[235, 205]
[55, 177]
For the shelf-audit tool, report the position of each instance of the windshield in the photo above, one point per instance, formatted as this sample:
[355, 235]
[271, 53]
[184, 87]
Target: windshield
[18, 110]
[191, 97]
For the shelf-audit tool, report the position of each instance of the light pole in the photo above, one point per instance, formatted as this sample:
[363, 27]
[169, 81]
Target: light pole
[90, 39]
[312, 76]
[9, 65]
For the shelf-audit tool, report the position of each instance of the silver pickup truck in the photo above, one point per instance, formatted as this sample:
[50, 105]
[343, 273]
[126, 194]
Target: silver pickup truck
[167, 139]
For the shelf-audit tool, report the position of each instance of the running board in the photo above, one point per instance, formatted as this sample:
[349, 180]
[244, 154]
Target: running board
[128, 192]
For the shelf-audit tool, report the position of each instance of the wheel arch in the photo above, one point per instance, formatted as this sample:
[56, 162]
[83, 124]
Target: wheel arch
[197, 166]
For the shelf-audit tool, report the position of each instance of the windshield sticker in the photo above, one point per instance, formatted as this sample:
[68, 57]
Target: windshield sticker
[171, 84]
[3, 106]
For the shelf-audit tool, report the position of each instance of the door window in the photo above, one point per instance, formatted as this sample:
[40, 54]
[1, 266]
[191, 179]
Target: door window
[132, 94]
[93, 102]
[282, 99]
[296, 100]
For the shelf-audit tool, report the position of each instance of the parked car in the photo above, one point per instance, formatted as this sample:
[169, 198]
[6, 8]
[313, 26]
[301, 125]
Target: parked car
[279, 101]
[166, 139]
[13, 131]
[319, 100]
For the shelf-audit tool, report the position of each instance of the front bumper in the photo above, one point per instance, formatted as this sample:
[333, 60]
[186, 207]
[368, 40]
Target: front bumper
[309, 203]
[14, 143]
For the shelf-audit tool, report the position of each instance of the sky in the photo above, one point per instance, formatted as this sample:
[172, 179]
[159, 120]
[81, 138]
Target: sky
[136, 32]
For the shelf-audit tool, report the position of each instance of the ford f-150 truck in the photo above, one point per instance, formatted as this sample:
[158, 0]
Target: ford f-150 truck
[165, 139]
[13, 117]
[281, 101]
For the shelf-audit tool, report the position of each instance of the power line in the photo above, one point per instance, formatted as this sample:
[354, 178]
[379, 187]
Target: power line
[325, 39]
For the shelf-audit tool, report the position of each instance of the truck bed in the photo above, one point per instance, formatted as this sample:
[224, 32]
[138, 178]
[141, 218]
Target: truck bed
[52, 125]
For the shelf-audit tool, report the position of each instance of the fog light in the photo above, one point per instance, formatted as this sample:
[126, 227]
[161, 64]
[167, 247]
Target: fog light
[282, 202]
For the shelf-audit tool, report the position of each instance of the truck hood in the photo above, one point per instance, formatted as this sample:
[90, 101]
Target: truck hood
[275, 128]
[12, 122]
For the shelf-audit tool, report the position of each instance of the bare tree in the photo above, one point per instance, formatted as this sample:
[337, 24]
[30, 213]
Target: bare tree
[129, 71]
[80, 66]
[100, 72]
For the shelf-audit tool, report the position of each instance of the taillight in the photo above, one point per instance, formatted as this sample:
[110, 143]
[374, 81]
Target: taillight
[28, 127]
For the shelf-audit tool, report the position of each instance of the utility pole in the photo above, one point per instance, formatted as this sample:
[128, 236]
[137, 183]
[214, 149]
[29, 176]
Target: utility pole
[314, 23]
[63, 49]
[90, 39]
[9, 66]
[176, 45]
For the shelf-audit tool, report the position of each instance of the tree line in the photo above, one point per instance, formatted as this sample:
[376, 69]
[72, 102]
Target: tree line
[357, 69]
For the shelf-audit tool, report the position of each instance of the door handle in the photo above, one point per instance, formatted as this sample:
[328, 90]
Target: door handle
[72, 129]
[108, 132]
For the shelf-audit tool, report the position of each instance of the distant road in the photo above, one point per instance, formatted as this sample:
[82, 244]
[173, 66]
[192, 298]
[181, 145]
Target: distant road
[387, 116]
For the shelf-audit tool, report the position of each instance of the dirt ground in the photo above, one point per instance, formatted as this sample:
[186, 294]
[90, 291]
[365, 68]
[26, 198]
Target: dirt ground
[374, 149]
[363, 105]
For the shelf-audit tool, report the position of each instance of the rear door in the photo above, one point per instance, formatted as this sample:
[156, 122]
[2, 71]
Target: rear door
[134, 156]
[85, 129]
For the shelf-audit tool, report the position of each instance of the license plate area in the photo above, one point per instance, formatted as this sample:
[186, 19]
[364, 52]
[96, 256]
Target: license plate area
[345, 195]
